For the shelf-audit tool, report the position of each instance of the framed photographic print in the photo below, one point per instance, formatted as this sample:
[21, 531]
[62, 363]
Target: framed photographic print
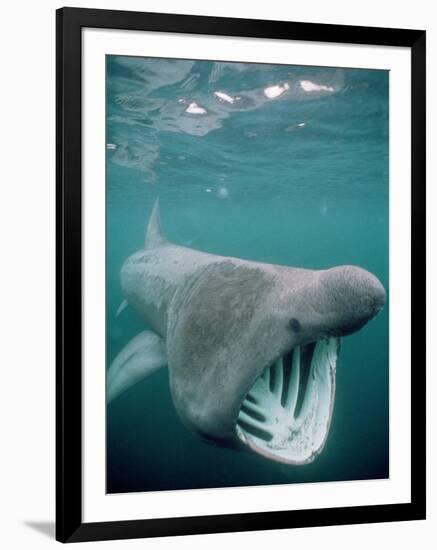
[241, 274]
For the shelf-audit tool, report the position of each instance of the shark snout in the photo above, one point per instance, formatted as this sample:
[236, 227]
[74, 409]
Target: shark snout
[353, 295]
[378, 293]
[364, 289]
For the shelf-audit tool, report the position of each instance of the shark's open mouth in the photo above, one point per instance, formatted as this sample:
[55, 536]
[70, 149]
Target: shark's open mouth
[287, 413]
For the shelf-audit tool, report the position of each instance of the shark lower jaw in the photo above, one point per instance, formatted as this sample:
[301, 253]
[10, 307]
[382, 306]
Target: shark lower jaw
[286, 414]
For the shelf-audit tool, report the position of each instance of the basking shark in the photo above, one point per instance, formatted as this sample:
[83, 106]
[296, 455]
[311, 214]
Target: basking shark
[251, 347]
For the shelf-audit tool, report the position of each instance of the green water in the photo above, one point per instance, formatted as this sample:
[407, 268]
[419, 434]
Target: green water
[299, 179]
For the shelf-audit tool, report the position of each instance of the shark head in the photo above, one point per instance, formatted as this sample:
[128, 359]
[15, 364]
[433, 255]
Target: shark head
[251, 347]
[252, 352]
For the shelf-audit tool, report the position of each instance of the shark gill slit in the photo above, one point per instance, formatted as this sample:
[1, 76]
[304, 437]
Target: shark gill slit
[287, 380]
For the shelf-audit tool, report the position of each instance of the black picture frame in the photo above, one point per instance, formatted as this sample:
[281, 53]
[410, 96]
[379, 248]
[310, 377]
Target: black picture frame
[69, 524]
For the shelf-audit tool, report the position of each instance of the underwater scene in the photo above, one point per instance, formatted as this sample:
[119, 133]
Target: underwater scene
[247, 274]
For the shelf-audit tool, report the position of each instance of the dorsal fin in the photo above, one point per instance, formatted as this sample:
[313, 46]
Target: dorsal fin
[154, 237]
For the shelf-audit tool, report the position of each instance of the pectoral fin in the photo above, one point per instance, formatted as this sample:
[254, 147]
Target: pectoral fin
[142, 356]
[121, 307]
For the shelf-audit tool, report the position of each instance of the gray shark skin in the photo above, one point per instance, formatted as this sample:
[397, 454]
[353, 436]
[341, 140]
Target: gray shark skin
[251, 347]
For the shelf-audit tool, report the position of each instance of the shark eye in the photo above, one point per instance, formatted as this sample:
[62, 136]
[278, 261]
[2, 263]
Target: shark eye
[294, 324]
